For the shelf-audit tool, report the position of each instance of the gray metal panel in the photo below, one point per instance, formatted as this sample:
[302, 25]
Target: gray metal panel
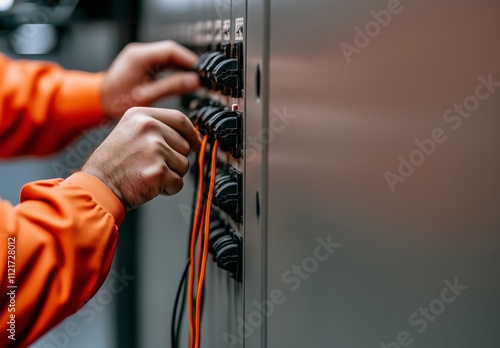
[158, 16]
[164, 223]
[326, 175]
[256, 106]
[163, 228]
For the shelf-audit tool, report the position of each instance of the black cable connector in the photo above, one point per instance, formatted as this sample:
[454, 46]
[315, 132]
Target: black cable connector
[226, 127]
[228, 194]
[225, 244]
[223, 69]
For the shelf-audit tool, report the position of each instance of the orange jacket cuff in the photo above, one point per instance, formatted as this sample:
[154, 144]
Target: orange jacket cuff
[100, 193]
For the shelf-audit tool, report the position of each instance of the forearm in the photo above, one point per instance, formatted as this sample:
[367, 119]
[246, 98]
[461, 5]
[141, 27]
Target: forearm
[43, 107]
[65, 233]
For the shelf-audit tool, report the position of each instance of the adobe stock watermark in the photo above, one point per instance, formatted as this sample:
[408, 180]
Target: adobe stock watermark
[420, 319]
[278, 122]
[292, 279]
[454, 117]
[43, 15]
[73, 326]
[75, 154]
[149, 86]
[363, 36]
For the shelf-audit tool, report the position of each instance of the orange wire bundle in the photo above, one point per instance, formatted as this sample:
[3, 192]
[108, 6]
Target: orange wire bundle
[201, 229]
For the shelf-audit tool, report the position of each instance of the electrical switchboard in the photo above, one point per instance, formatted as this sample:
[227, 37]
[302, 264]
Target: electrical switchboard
[349, 218]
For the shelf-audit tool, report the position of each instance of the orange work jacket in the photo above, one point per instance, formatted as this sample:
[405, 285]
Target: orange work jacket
[57, 245]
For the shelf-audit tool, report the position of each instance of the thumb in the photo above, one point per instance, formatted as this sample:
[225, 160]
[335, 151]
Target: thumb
[175, 84]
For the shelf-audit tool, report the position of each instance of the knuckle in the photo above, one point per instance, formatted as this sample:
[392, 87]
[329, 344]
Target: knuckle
[177, 183]
[184, 166]
[157, 144]
[133, 111]
[185, 148]
[147, 124]
[169, 44]
[131, 48]
[181, 119]
[127, 114]
[158, 172]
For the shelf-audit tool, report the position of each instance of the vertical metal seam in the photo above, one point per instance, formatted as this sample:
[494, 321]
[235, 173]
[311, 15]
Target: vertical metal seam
[265, 157]
[245, 63]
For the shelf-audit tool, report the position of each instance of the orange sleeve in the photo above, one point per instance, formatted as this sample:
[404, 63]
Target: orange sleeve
[63, 234]
[43, 107]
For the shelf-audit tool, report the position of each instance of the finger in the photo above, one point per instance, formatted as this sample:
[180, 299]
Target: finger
[175, 84]
[176, 141]
[167, 53]
[176, 162]
[174, 183]
[179, 122]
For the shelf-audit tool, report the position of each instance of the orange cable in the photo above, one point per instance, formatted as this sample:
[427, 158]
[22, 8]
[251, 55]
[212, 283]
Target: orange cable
[201, 240]
[194, 234]
[208, 208]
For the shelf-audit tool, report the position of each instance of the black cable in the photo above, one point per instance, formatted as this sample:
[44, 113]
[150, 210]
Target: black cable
[208, 160]
[179, 323]
[176, 323]
[195, 189]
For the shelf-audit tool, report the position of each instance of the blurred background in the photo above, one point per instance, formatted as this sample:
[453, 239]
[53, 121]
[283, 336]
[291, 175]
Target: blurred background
[82, 35]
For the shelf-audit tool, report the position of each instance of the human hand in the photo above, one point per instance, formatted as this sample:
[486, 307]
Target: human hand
[132, 78]
[145, 155]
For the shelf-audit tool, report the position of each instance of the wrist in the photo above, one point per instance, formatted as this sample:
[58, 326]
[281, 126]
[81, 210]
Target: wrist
[108, 181]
